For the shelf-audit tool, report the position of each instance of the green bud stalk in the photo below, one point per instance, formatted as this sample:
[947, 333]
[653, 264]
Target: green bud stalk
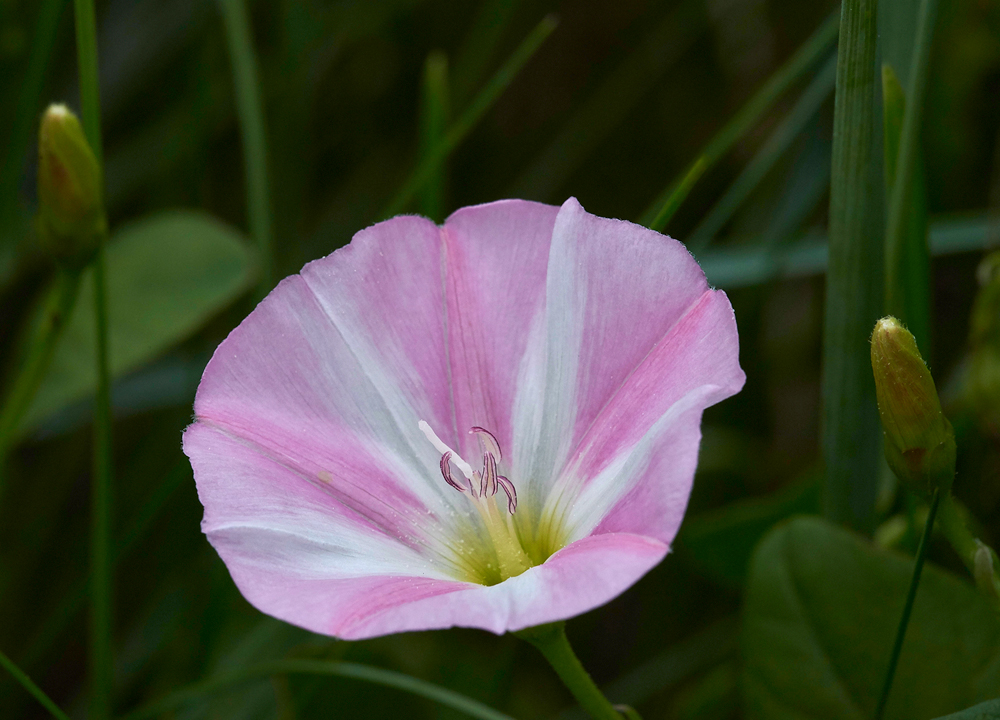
[919, 441]
[71, 208]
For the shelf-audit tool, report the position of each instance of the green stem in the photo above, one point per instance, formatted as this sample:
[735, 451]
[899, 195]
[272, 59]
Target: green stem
[58, 308]
[251, 114]
[36, 692]
[663, 208]
[378, 676]
[552, 642]
[911, 595]
[100, 535]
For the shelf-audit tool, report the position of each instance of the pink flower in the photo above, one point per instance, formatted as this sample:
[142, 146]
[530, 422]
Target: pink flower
[493, 423]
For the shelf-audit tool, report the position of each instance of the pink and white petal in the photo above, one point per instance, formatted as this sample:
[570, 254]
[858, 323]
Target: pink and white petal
[287, 380]
[578, 578]
[633, 469]
[384, 293]
[495, 265]
[613, 291]
[262, 514]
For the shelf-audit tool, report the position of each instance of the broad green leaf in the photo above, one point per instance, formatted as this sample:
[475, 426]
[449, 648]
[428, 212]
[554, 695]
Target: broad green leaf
[167, 274]
[821, 613]
[989, 710]
[721, 542]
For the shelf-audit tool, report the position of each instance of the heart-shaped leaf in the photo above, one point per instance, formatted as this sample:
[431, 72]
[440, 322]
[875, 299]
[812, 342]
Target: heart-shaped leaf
[821, 613]
[166, 275]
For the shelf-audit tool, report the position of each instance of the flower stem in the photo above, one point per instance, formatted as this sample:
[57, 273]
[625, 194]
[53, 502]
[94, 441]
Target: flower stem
[58, 308]
[100, 532]
[911, 595]
[552, 642]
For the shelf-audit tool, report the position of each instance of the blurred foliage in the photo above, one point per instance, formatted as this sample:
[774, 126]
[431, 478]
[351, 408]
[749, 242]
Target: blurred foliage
[615, 103]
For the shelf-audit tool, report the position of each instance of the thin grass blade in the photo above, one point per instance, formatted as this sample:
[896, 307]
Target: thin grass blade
[666, 204]
[472, 115]
[774, 147]
[34, 690]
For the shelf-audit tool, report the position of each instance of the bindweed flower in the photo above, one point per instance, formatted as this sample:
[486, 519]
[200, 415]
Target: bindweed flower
[493, 423]
[71, 212]
[919, 441]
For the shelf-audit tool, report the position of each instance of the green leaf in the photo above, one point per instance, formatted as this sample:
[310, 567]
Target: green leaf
[989, 710]
[821, 613]
[851, 447]
[166, 275]
[720, 542]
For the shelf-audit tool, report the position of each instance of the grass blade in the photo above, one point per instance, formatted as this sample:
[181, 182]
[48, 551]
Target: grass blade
[36, 692]
[774, 147]
[479, 45]
[663, 208]
[854, 278]
[365, 673]
[612, 102]
[434, 114]
[907, 272]
[251, 116]
[468, 119]
[739, 267]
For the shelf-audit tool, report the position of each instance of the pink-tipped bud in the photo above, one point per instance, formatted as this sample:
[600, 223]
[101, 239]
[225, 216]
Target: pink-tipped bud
[919, 441]
[71, 210]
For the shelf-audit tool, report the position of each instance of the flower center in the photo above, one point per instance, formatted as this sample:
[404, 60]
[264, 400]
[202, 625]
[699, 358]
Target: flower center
[481, 487]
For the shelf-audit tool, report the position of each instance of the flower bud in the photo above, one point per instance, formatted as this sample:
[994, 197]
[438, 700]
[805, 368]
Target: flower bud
[71, 212]
[919, 441]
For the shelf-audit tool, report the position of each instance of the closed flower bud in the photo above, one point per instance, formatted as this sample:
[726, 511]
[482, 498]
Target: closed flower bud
[71, 212]
[919, 441]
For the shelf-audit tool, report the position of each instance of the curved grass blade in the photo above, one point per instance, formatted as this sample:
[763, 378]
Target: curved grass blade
[663, 208]
[355, 671]
[610, 104]
[773, 148]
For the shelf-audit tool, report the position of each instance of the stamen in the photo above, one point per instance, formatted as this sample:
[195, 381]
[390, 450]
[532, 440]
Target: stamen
[489, 475]
[488, 440]
[446, 472]
[508, 487]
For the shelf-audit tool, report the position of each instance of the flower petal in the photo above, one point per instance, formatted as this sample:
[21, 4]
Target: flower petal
[613, 291]
[262, 514]
[578, 578]
[341, 362]
[496, 256]
[633, 469]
